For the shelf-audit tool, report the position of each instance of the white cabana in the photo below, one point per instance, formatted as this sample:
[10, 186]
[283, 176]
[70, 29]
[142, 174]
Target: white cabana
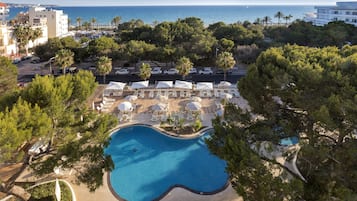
[164, 84]
[114, 89]
[224, 84]
[125, 107]
[140, 84]
[183, 84]
[131, 98]
[226, 96]
[205, 89]
[204, 86]
[193, 106]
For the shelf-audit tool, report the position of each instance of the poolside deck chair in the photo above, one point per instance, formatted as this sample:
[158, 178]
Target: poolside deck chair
[151, 94]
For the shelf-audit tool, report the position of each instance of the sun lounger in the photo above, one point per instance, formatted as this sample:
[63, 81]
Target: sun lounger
[151, 94]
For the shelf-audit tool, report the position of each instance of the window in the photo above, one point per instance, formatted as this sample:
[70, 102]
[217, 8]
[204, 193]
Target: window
[335, 12]
[348, 13]
[347, 20]
[354, 20]
[354, 13]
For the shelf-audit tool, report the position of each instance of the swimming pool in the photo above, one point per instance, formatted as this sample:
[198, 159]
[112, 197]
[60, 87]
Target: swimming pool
[148, 164]
[289, 141]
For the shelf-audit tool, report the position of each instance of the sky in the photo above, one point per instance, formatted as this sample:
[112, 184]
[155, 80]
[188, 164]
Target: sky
[173, 2]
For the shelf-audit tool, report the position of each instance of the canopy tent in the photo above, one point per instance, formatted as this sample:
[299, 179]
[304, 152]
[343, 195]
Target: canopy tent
[204, 86]
[131, 98]
[164, 84]
[224, 84]
[125, 107]
[193, 106]
[183, 84]
[140, 84]
[114, 89]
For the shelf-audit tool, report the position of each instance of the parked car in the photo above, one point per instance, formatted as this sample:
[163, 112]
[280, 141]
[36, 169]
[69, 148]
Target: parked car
[35, 60]
[122, 71]
[171, 71]
[220, 71]
[156, 71]
[16, 61]
[193, 71]
[206, 71]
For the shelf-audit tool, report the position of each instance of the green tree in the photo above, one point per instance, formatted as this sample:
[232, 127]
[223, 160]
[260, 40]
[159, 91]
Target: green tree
[145, 71]
[225, 61]
[279, 15]
[25, 34]
[226, 45]
[103, 46]
[324, 117]
[93, 21]
[287, 18]
[116, 21]
[8, 75]
[79, 22]
[266, 20]
[64, 58]
[104, 66]
[184, 65]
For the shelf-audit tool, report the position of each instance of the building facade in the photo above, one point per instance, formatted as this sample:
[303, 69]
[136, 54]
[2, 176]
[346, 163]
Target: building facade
[343, 11]
[4, 13]
[56, 21]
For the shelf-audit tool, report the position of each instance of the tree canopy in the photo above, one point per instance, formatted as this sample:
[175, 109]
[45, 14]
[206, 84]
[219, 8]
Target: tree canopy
[298, 91]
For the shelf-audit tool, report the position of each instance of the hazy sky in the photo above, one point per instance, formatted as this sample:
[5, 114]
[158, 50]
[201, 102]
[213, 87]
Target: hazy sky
[174, 2]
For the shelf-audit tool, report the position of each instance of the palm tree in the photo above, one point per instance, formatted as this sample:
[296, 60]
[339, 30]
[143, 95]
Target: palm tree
[79, 21]
[279, 15]
[86, 25]
[145, 71]
[23, 35]
[184, 65]
[225, 61]
[258, 21]
[266, 20]
[104, 66]
[287, 18]
[64, 58]
[92, 22]
[116, 21]
[37, 33]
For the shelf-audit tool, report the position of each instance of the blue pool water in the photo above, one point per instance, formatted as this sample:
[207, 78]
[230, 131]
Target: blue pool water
[148, 163]
[289, 141]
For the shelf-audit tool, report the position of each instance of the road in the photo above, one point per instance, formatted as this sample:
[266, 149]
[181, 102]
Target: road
[233, 78]
[27, 72]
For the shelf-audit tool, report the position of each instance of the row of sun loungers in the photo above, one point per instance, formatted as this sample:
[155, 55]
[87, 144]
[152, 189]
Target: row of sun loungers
[106, 104]
[186, 94]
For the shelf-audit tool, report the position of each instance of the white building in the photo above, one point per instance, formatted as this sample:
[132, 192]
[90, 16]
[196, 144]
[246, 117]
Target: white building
[343, 11]
[4, 13]
[56, 21]
[7, 42]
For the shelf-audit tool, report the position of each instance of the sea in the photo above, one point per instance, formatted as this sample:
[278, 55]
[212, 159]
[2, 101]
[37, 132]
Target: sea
[157, 14]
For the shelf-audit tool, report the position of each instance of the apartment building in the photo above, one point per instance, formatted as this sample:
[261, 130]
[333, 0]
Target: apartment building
[4, 13]
[56, 21]
[343, 11]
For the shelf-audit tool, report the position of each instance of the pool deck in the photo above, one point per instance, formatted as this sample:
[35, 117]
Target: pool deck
[143, 116]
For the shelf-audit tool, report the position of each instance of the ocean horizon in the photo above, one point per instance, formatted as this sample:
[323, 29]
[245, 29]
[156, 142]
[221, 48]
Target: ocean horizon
[153, 14]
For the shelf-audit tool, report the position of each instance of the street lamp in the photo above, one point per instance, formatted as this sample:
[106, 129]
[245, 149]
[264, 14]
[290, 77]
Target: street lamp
[50, 60]
[217, 51]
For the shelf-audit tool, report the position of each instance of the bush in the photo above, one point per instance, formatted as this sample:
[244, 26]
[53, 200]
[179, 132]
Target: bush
[46, 192]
